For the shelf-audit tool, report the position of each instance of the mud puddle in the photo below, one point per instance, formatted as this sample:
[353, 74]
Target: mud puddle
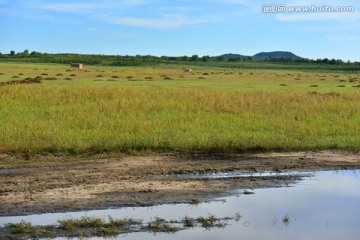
[241, 174]
[324, 205]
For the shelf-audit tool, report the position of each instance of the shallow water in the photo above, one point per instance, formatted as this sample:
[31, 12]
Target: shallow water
[324, 206]
[238, 174]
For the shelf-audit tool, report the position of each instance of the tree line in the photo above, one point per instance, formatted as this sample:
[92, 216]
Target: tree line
[141, 60]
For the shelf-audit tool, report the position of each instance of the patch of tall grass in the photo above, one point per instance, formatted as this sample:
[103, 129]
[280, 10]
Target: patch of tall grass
[83, 119]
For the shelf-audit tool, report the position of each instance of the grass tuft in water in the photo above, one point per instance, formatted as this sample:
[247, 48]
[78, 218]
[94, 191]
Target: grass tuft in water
[109, 231]
[188, 222]
[83, 222]
[21, 228]
[286, 220]
[208, 222]
[195, 201]
[161, 225]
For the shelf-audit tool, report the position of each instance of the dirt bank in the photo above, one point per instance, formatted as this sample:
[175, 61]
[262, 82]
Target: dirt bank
[63, 185]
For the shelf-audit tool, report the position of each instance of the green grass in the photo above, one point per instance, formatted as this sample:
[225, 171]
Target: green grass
[208, 222]
[83, 222]
[20, 228]
[229, 110]
[161, 225]
[188, 222]
[94, 226]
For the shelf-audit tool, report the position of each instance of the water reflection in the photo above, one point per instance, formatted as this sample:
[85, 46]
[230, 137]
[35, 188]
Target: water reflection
[325, 206]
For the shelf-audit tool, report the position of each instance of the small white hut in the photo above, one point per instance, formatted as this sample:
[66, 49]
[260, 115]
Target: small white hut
[77, 65]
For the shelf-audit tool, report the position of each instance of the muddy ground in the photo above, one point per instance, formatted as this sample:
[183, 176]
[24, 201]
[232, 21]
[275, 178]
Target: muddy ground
[60, 184]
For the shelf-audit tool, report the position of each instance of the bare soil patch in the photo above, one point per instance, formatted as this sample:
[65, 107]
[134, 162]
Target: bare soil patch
[62, 185]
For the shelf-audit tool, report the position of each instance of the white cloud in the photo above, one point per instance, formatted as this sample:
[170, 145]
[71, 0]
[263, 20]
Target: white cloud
[166, 22]
[70, 7]
[81, 7]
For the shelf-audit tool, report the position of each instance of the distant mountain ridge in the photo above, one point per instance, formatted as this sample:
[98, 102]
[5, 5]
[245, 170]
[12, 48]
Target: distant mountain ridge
[259, 56]
[275, 54]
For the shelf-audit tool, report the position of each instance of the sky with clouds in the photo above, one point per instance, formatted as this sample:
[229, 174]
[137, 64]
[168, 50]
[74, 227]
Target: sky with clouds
[181, 27]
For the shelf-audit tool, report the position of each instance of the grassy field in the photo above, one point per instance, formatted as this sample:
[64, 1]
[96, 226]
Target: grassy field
[160, 109]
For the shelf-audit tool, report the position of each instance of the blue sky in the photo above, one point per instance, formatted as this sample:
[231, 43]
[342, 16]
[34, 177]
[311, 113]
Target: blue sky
[176, 28]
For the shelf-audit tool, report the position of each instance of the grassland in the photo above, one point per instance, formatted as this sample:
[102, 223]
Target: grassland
[160, 109]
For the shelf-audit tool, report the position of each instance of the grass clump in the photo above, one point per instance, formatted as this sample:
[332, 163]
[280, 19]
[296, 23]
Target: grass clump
[117, 222]
[194, 201]
[286, 220]
[83, 222]
[188, 222]
[21, 228]
[208, 222]
[109, 231]
[161, 225]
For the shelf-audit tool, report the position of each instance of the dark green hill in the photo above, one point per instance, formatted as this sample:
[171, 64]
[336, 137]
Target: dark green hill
[276, 54]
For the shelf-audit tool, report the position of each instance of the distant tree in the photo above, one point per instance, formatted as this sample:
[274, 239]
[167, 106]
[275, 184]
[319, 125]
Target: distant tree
[250, 58]
[12, 53]
[185, 58]
[232, 59]
[205, 58]
[194, 58]
[26, 52]
[268, 59]
[235, 59]
[220, 58]
[325, 60]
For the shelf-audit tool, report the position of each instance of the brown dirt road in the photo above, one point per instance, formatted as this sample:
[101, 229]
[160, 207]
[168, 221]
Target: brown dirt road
[68, 185]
